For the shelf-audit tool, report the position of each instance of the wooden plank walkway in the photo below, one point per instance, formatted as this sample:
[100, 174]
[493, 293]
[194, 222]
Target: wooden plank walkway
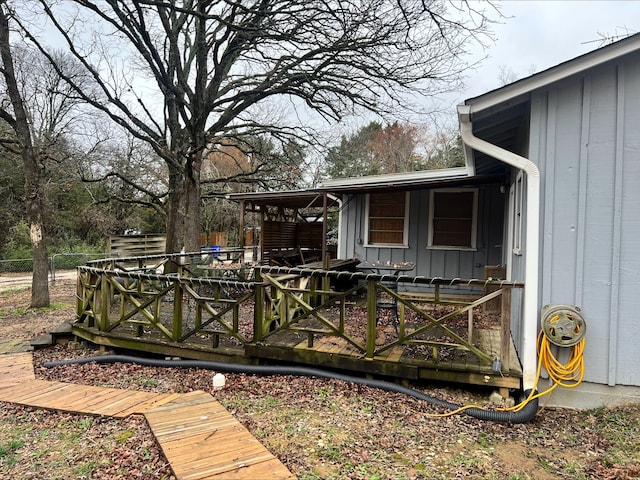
[199, 437]
[15, 369]
[15, 346]
[202, 440]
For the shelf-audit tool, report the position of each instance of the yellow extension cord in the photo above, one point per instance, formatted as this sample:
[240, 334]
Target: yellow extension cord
[568, 375]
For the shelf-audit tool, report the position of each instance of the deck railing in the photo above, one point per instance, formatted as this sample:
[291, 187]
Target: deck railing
[300, 299]
[372, 313]
[128, 297]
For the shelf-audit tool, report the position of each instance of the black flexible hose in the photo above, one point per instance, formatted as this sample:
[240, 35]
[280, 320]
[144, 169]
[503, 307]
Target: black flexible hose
[524, 415]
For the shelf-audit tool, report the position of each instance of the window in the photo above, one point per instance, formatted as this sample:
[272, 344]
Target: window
[387, 218]
[516, 223]
[452, 218]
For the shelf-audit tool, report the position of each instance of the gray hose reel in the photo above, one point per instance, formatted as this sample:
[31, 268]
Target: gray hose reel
[563, 325]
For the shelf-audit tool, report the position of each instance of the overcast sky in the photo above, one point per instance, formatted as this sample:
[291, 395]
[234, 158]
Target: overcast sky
[539, 34]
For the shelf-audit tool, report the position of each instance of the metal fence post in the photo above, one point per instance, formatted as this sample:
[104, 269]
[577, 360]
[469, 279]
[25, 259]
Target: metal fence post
[53, 270]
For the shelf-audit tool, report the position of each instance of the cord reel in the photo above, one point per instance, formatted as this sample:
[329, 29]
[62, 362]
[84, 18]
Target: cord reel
[563, 325]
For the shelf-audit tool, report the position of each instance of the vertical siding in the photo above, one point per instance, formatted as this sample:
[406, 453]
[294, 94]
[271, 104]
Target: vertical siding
[628, 304]
[586, 142]
[430, 263]
[599, 228]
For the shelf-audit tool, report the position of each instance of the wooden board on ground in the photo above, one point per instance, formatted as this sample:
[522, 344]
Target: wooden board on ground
[15, 346]
[15, 369]
[200, 438]
[83, 398]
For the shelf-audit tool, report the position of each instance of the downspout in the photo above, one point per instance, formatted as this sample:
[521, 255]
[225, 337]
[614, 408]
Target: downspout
[532, 238]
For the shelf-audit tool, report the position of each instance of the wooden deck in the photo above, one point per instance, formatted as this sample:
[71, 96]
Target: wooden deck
[400, 326]
[199, 437]
[399, 361]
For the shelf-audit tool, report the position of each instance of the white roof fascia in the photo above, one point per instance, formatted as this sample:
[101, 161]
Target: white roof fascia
[248, 195]
[398, 178]
[554, 74]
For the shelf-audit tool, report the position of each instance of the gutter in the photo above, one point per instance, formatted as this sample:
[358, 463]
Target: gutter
[532, 239]
[390, 179]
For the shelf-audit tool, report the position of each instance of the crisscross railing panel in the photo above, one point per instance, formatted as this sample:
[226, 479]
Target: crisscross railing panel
[439, 322]
[298, 308]
[181, 309]
[376, 284]
[216, 315]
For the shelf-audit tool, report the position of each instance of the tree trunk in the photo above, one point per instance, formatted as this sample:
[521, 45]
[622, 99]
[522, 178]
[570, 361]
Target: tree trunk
[183, 209]
[35, 207]
[40, 282]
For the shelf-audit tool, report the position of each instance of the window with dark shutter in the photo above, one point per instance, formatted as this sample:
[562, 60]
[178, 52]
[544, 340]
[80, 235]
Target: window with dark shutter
[517, 193]
[387, 218]
[452, 221]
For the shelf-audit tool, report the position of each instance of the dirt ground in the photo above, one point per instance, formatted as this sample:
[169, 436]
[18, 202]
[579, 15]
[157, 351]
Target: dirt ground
[320, 429]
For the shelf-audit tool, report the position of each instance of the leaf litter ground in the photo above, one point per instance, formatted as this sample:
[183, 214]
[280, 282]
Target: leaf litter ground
[320, 429]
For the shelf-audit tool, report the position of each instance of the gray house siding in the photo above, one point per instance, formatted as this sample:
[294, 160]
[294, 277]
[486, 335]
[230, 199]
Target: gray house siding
[516, 271]
[429, 262]
[584, 139]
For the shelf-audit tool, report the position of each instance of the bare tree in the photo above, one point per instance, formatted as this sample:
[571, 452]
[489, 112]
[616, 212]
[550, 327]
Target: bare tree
[42, 110]
[199, 72]
[15, 114]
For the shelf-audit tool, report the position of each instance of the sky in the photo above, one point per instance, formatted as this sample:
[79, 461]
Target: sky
[536, 35]
[533, 35]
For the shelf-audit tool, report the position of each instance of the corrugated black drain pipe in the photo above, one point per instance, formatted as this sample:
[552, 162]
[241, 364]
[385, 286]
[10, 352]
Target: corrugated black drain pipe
[523, 415]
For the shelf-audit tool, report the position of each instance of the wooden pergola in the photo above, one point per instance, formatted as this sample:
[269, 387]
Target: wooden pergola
[284, 219]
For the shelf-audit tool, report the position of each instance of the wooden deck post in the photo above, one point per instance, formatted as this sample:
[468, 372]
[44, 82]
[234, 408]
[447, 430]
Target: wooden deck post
[259, 310]
[283, 306]
[177, 310]
[80, 296]
[372, 302]
[104, 303]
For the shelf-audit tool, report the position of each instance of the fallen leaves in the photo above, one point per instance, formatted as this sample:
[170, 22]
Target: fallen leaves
[329, 429]
[63, 445]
